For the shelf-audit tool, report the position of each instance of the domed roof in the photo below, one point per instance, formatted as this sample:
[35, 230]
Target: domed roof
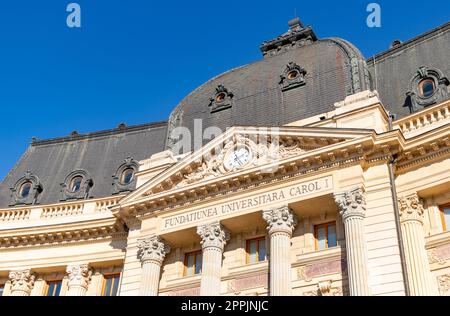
[299, 77]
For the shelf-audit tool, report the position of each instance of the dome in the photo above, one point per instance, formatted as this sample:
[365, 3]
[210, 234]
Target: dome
[299, 77]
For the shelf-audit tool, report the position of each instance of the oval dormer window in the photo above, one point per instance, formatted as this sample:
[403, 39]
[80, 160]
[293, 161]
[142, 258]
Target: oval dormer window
[25, 190]
[220, 97]
[427, 88]
[292, 74]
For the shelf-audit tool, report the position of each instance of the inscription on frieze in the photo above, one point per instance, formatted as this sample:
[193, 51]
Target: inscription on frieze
[258, 201]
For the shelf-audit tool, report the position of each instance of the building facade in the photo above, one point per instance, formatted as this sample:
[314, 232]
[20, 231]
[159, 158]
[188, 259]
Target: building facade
[312, 172]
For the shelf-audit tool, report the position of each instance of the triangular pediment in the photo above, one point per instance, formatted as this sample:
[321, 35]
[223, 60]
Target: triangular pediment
[241, 154]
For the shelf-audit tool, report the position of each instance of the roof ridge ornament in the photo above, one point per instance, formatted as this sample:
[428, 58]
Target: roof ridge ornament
[296, 36]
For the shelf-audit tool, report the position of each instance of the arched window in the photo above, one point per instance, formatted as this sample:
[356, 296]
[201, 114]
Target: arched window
[127, 176]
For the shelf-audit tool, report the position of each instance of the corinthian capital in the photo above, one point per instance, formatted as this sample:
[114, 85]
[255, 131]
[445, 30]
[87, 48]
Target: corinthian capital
[351, 203]
[280, 220]
[410, 208]
[79, 275]
[22, 281]
[213, 235]
[152, 249]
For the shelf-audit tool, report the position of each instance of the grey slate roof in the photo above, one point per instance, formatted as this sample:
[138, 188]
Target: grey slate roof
[397, 66]
[99, 153]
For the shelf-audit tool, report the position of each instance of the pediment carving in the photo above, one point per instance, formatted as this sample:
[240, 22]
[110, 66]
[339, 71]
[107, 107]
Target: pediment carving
[260, 154]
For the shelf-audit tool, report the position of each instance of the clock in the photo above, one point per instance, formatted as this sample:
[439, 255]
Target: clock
[237, 157]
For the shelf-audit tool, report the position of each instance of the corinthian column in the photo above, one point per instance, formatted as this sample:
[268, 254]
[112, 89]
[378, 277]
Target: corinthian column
[214, 237]
[152, 251]
[22, 282]
[352, 208]
[79, 277]
[281, 223]
[417, 266]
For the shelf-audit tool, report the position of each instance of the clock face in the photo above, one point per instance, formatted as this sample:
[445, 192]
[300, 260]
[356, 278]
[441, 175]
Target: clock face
[237, 158]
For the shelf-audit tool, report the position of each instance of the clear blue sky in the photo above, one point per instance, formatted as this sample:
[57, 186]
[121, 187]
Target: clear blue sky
[133, 61]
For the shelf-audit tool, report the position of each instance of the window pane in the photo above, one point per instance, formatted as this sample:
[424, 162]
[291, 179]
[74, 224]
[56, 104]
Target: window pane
[107, 287]
[58, 288]
[115, 286]
[198, 264]
[427, 88]
[332, 242]
[51, 288]
[321, 238]
[190, 265]
[252, 255]
[447, 218]
[262, 250]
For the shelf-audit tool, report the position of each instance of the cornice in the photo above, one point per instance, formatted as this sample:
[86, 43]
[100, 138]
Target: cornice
[63, 234]
[424, 149]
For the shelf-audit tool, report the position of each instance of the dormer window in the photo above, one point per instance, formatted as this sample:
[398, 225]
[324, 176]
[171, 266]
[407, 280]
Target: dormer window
[223, 99]
[26, 190]
[427, 88]
[292, 77]
[76, 186]
[124, 179]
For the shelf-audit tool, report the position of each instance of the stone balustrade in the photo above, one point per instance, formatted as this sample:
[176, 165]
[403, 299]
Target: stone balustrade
[57, 211]
[62, 211]
[14, 215]
[424, 120]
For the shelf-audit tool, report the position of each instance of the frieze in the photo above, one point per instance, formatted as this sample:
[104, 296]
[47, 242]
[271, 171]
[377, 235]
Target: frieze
[307, 273]
[261, 200]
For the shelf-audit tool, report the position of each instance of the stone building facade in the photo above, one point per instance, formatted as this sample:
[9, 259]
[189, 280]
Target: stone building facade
[316, 173]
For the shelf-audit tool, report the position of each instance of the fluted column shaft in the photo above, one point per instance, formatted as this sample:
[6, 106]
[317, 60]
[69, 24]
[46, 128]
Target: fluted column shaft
[22, 282]
[417, 266]
[352, 208]
[214, 236]
[152, 252]
[281, 223]
[79, 277]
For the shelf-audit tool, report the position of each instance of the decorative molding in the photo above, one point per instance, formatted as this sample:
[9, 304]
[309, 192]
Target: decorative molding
[22, 280]
[410, 208]
[152, 248]
[324, 288]
[280, 220]
[213, 235]
[114, 231]
[351, 203]
[444, 284]
[433, 257]
[212, 166]
[79, 275]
